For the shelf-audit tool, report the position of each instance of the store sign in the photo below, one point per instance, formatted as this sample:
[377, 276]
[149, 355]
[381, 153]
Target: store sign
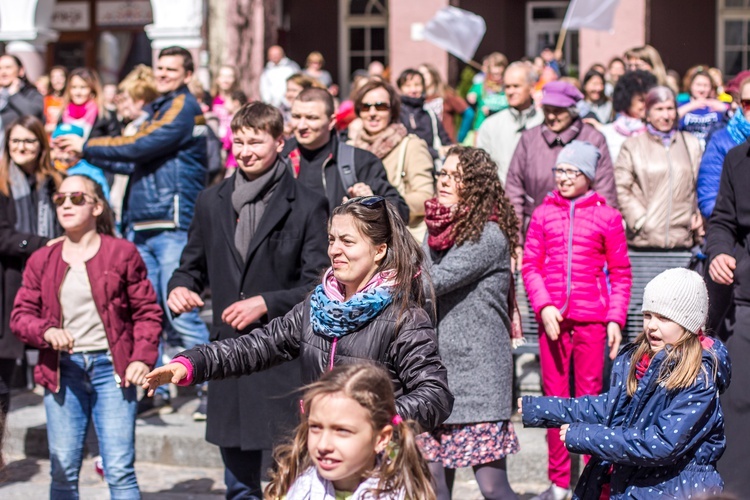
[123, 13]
[71, 16]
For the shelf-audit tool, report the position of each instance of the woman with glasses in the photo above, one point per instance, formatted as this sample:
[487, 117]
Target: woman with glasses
[27, 223]
[577, 276]
[86, 303]
[368, 308]
[472, 229]
[405, 156]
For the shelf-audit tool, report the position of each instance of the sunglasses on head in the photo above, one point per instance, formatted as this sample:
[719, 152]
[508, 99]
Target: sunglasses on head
[77, 198]
[379, 106]
[745, 103]
[367, 201]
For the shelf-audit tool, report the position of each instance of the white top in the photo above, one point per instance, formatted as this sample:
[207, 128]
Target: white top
[79, 313]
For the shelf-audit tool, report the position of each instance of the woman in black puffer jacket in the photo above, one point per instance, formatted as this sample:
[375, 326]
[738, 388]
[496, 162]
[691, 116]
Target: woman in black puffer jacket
[368, 308]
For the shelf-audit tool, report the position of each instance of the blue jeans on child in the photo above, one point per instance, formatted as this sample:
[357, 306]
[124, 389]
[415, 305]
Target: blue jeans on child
[161, 251]
[89, 391]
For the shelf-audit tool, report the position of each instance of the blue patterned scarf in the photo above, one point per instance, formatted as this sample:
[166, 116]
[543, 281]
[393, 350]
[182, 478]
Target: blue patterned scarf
[332, 317]
[738, 127]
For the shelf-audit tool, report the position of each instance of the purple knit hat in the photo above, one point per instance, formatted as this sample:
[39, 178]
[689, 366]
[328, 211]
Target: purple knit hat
[560, 94]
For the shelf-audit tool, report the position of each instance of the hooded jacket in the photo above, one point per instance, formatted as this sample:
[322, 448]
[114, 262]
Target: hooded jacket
[409, 352]
[657, 443]
[423, 123]
[568, 245]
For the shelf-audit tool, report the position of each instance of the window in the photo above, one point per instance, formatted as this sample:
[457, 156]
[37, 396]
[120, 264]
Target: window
[543, 24]
[733, 33]
[363, 36]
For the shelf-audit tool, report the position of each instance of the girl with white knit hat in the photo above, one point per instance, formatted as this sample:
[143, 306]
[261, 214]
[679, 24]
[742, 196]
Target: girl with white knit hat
[659, 430]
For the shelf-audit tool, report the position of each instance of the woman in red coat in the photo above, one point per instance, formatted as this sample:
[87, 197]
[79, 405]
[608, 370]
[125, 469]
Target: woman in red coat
[87, 304]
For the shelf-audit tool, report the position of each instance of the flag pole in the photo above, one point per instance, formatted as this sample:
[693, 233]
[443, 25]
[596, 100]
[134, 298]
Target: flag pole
[561, 39]
[474, 64]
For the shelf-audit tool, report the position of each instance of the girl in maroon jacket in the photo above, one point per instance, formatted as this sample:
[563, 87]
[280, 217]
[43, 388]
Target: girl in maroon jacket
[574, 240]
[87, 304]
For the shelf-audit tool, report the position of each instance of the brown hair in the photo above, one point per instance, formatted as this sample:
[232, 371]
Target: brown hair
[650, 56]
[481, 197]
[373, 84]
[259, 116]
[315, 94]
[91, 78]
[64, 72]
[306, 82]
[496, 60]
[315, 56]
[402, 466]
[105, 222]
[235, 85]
[693, 73]
[139, 84]
[437, 79]
[382, 224]
[44, 168]
[680, 368]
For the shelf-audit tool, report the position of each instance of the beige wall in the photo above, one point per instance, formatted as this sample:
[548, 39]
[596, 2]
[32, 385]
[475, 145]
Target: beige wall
[404, 52]
[629, 31]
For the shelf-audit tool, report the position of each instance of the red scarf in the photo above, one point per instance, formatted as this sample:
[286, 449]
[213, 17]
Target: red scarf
[440, 221]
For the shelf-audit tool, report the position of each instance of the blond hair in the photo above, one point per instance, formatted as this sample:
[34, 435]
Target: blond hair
[139, 84]
[371, 387]
[650, 56]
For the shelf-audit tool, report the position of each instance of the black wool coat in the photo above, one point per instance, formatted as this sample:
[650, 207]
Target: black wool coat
[15, 248]
[285, 260]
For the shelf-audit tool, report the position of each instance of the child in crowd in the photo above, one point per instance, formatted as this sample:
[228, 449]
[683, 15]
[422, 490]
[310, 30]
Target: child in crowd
[572, 238]
[660, 428]
[488, 97]
[71, 162]
[232, 104]
[84, 105]
[351, 443]
[417, 119]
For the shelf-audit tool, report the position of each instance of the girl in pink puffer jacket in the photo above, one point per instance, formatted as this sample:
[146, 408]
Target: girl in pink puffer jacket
[573, 243]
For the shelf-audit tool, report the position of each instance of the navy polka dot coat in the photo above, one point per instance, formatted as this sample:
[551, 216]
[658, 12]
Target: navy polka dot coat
[657, 443]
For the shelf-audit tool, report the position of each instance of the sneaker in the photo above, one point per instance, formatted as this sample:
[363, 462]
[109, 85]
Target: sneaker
[555, 492]
[156, 405]
[199, 415]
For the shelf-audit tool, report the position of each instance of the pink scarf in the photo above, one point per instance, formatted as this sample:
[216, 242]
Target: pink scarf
[334, 289]
[83, 115]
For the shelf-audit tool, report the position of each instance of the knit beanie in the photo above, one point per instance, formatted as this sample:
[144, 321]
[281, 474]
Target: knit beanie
[582, 155]
[679, 295]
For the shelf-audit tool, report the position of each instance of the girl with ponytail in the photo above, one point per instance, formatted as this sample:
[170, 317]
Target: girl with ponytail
[351, 441]
[368, 306]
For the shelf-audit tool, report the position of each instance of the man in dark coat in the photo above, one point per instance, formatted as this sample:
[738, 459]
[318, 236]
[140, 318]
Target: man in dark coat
[728, 248]
[260, 240]
[317, 159]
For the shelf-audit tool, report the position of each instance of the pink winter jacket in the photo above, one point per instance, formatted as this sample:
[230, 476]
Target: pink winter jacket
[568, 245]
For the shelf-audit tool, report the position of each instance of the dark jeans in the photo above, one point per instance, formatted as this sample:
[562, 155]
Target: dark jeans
[242, 472]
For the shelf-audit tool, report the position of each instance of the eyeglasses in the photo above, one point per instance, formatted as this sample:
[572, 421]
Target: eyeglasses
[569, 173]
[25, 142]
[455, 176]
[745, 103]
[379, 106]
[367, 201]
[77, 198]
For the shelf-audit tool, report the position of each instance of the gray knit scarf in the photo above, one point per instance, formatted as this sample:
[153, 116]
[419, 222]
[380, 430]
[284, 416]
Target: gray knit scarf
[35, 218]
[250, 199]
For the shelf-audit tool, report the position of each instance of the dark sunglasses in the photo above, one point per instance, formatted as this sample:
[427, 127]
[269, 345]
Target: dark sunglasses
[745, 103]
[77, 198]
[367, 201]
[379, 106]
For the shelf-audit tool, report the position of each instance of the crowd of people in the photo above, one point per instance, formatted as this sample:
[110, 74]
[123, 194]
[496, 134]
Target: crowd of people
[366, 248]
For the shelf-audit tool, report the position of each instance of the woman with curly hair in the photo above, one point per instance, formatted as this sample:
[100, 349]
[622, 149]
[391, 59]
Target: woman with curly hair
[472, 230]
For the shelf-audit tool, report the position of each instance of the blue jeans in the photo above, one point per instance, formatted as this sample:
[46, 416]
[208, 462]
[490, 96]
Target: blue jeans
[88, 390]
[242, 473]
[161, 251]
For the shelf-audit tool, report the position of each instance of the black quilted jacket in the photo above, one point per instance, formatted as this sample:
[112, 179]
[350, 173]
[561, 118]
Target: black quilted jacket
[410, 355]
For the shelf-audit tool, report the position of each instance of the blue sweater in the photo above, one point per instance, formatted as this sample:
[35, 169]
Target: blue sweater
[657, 442]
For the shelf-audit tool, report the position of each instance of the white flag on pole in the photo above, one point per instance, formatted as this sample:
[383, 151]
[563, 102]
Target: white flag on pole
[591, 14]
[457, 31]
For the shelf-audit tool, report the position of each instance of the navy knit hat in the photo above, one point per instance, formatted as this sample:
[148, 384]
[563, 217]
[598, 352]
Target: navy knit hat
[582, 155]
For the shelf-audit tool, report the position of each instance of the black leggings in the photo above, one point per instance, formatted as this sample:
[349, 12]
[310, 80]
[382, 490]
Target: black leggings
[492, 478]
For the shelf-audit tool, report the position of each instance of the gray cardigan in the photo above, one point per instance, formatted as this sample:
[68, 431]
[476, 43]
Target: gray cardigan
[471, 286]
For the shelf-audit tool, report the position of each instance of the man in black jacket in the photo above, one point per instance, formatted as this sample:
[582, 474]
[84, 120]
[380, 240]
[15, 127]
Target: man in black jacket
[325, 165]
[260, 239]
[728, 248]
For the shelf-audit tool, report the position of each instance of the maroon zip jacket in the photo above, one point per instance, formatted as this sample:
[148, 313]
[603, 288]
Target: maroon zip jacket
[123, 295]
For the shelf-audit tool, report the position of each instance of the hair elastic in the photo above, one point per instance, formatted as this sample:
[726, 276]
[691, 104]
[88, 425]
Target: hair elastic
[396, 420]
[302, 406]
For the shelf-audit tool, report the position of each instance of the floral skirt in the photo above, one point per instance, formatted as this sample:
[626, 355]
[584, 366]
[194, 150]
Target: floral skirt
[465, 445]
